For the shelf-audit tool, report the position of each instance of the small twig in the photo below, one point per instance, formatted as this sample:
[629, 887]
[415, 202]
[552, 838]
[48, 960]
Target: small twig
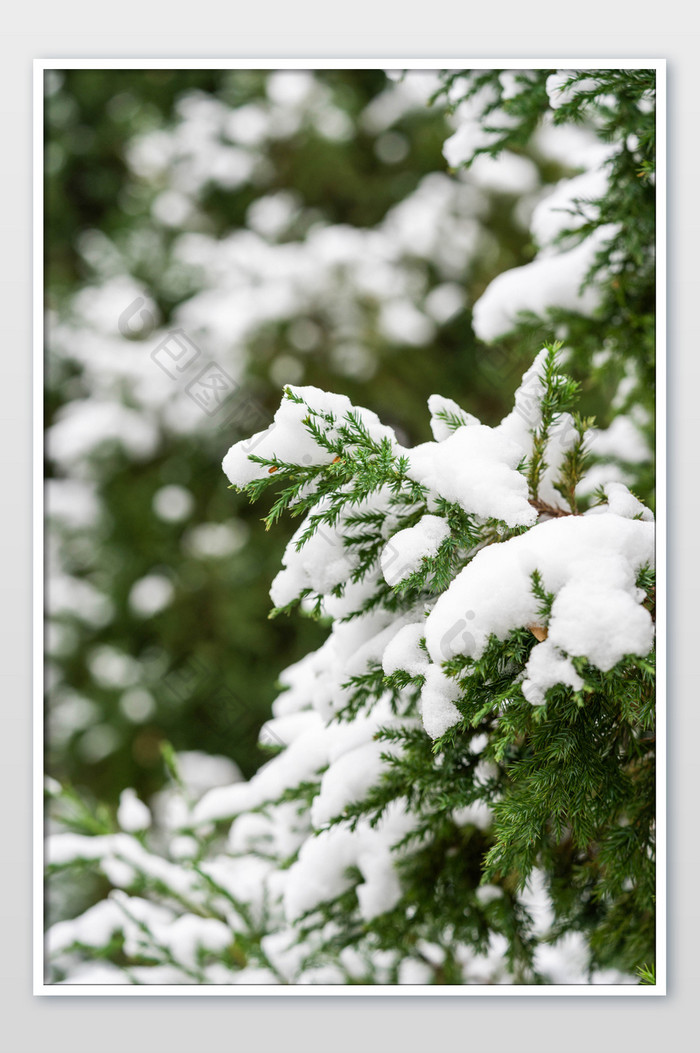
[550, 510]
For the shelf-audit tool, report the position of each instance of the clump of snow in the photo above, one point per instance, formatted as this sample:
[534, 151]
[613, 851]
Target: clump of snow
[477, 814]
[477, 469]
[323, 562]
[440, 407]
[348, 779]
[132, 814]
[151, 594]
[548, 282]
[526, 417]
[438, 698]
[623, 503]
[122, 849]
[189, 934]
[622, 440]
[473, 131]
[570, 145]
[321, 872]
[73, 502]
[408, 548]
[288, 438]
[506, 174]
[83, 425]
[561, 92]
[401, 322]
[217, 540]
[173, 503]
[589, 562]
[546, 667]
[405, 652]
[445, 301]
[571, 203]
[463, 144]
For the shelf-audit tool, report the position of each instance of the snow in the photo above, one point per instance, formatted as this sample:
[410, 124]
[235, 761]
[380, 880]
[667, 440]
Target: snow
[477, 469]
[321, 870]
[188, 935]
[348, 780]
[526, 415]
[137, 704]
[463, 144]
[438, 406]
[132, 814]
[590, 562]
[472, 134]
[244, 878]
[445, 301]
[569, 145]
[412, 971]
[301, 761]
[600, 475]
[601, 617]
[622, 440]
[571, 203]
[404, 651]
[150, 595]
[506, 174]
[91, 973]
[560, 92]
[625, 504]
[322, 563]
[318, 680]
[216, 540]
[315, 746]
[405, 552]
[202, 771]
[173, 503]
[486, 894]
[552, 281]
[73, 502]
[284, 953]
[402, 323]
[85, 424]
[477, 814]
[288, 438]
[79, 598]
[546, 667]
[93, 928]
[62, 849]
[438, 696]
[397, 100]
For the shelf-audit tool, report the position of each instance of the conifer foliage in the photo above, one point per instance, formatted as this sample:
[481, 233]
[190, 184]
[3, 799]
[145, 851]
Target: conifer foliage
[461, 787]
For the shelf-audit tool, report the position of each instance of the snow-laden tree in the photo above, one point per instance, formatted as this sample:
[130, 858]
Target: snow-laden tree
[462, 784]
[288, 226]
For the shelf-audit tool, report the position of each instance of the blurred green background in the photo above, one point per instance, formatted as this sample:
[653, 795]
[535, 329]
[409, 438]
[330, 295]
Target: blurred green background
[139, 185]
